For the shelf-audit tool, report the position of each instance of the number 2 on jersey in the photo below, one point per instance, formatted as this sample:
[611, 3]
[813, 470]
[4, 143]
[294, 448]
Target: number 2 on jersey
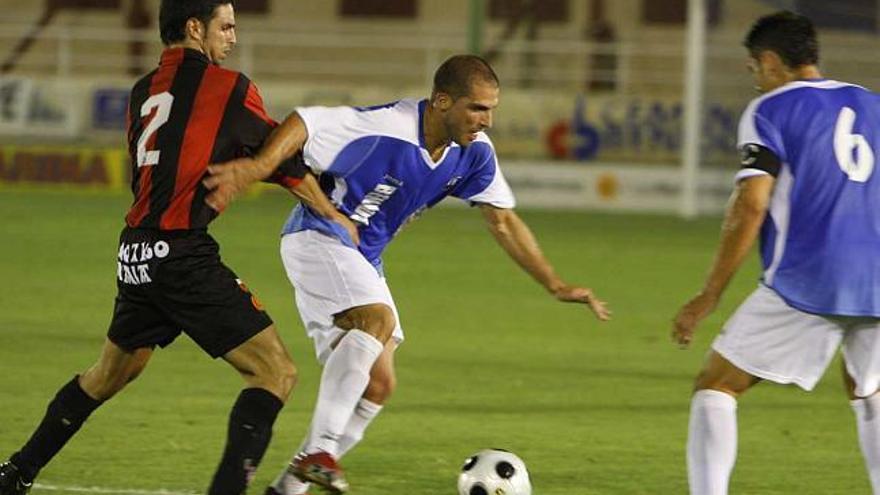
[162, 102]
[859, 165]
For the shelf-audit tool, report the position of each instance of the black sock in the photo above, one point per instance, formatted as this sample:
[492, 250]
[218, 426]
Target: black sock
[64, 416]
[250, 429]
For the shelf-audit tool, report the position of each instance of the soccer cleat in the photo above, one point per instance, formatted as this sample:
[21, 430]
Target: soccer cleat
[321, 469]
[11, 482]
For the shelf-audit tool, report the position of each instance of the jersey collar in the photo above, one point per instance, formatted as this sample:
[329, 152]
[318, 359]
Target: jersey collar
[173, 56]
[422, 105]
[426, 156]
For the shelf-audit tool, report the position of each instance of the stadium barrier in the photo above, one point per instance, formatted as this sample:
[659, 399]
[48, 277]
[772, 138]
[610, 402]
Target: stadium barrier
[559, 150]
[567, 126]
[80, 167]
[537, 184]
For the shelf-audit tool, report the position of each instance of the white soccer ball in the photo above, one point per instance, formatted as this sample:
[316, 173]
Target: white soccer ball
[494, 472]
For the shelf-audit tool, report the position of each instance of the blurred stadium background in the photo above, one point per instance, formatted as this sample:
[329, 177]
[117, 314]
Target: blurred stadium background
[596, 100]
[597, 85]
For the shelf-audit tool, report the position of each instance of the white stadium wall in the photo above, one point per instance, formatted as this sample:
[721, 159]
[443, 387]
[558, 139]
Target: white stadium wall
[557, 150]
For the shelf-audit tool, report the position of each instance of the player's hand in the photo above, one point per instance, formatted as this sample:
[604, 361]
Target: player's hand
[226, 181]
[583, 295]
[690, 315]
[349, 226]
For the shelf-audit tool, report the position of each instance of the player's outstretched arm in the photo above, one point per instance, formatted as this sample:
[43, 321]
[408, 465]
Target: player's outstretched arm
[742, 222]
[228, 180]
[520, 244]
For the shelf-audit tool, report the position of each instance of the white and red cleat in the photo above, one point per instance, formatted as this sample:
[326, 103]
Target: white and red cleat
[321, 469]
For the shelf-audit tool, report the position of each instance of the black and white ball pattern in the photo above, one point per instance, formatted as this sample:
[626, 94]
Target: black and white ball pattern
[494, 472]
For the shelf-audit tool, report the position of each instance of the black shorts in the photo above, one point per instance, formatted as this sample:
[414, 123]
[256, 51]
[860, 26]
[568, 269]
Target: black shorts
[173, 282]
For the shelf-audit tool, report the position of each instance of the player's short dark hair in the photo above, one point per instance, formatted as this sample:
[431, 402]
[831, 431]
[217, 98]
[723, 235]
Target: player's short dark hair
[789, 35]
[173, 15]
[455, 76]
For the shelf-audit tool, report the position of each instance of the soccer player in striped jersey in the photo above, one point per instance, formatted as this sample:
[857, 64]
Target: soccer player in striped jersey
[183, 115]
[808, 190]
[382, 166]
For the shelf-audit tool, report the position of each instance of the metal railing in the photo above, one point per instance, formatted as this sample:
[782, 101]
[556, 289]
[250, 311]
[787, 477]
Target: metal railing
[347, 55]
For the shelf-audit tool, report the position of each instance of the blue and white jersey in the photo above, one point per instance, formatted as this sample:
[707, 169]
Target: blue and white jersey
[820, 243]
[374, 165]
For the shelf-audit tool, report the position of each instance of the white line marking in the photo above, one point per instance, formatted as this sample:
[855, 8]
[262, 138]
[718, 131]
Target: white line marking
[110, 491]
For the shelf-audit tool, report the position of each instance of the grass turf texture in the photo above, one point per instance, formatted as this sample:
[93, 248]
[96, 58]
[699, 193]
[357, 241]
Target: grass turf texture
[490, 360]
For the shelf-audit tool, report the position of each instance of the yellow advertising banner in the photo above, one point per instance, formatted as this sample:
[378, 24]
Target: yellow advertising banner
[99, 168]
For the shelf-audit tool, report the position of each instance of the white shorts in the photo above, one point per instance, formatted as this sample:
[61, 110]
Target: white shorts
[329, 277]
[769, 339]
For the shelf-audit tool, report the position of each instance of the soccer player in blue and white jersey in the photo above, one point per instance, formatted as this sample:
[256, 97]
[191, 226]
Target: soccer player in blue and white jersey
[807, 188]
[382, 166]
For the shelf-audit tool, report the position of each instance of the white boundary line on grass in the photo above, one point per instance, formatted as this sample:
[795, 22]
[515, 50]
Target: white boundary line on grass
[107, 491]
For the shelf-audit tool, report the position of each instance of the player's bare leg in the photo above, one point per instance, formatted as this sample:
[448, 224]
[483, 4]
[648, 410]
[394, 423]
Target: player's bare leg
[67, 412]
[269, 375]
[343, 382]
[712, 437]
[867, 411]
[382, 384]
[264, 363]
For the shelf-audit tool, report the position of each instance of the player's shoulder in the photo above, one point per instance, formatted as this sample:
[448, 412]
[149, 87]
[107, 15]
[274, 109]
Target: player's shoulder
[483, 147]
[484, 140]
[799, 91]
[216, 72]
[144, 82]
[398, 119]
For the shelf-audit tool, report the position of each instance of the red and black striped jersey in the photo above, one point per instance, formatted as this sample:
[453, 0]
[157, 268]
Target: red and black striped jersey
[184, 115]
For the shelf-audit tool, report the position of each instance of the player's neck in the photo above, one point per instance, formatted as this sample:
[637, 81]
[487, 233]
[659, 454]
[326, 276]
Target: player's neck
[436, 137]
[188, 43]
[808, 72]
[803, 73]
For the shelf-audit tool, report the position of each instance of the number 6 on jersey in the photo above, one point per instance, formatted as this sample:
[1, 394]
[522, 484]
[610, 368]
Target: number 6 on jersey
[162, 102]
[860, 166]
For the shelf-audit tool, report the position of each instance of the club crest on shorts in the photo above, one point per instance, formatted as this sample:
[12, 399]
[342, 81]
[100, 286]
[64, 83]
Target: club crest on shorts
[254, 301]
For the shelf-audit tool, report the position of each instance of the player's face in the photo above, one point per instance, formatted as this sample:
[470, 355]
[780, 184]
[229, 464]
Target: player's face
[472, 113]
[219, 39]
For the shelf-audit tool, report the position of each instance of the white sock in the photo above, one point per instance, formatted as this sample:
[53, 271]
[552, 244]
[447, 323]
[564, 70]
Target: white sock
[364, 413]
[868, 422]
[711, 448]
[345, 377]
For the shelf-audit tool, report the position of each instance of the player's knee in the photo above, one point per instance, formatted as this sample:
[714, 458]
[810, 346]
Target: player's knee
[377, 320]
[384, 323]
[101, 383]
[282, 374]
[135, 372]
[731, 385]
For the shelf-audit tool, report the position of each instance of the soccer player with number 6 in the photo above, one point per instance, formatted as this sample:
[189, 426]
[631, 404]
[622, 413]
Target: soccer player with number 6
[170, 279]
[807, 188]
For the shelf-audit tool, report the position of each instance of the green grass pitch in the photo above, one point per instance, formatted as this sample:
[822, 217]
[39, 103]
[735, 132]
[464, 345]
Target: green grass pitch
[490, 360]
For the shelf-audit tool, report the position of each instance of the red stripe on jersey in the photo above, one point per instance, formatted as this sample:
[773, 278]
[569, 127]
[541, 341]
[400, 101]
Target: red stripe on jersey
[198, 144]
[254, 102]
[142, 204]
[168, 65]
[161, 82]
